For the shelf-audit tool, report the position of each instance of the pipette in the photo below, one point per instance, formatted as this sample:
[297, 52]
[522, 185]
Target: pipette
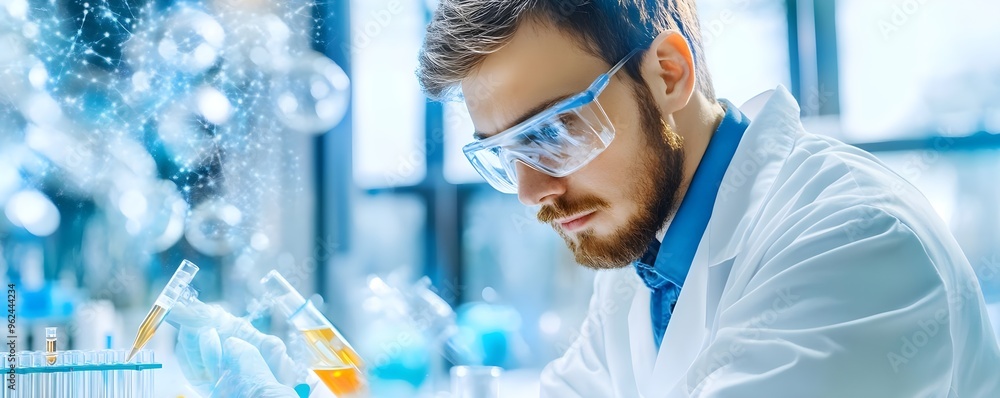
[178, 289]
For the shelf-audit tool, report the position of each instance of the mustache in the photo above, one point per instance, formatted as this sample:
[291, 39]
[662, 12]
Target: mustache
[562, 208]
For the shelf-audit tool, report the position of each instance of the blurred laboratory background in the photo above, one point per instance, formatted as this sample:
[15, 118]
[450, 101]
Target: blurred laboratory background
[254, 135]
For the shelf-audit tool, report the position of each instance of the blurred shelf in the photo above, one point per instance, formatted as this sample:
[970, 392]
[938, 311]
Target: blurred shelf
[976, 141]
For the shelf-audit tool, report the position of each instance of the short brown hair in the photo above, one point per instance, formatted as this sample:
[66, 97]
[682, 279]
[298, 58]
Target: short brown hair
[463, 32]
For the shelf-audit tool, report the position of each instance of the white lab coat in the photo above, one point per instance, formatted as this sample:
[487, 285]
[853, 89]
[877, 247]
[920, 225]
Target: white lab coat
[821, 274]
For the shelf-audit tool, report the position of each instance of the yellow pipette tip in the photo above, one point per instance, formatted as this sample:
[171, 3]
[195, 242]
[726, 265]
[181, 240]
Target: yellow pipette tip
[177, 290]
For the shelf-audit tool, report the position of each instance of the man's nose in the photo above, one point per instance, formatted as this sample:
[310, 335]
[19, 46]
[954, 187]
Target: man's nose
[535, 188]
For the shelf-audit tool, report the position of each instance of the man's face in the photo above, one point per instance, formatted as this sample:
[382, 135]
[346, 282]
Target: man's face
[611, 209]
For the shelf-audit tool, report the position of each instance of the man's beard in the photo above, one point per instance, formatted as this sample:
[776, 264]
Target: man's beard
[655, 193]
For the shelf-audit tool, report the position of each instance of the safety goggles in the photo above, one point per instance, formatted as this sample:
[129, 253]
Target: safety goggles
[557, 141]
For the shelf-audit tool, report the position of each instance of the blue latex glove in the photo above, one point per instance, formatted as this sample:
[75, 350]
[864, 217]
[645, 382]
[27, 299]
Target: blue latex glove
[240, 369]
[196, 352]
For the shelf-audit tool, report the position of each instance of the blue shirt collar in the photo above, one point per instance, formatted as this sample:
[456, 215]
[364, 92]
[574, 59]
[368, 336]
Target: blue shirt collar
[671, 259]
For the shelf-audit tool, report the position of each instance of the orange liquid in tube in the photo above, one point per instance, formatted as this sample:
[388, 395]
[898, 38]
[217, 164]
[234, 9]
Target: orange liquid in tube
[334, 361]
[341, 368]
[324, 342]
[342, 380]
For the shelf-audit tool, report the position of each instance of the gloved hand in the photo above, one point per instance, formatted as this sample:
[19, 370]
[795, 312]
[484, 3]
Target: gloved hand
[195, 351]
[239, 368]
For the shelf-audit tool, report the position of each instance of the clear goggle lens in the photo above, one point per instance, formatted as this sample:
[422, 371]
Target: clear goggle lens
[557, 144]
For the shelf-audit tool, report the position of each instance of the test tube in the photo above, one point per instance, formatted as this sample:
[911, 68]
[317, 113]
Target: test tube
[140, 375]
[67, 377]
[130, 380]
[50, 345]
[51, 380]
[135, 376]
[13, 360]
[107, 377]
[115, 377]
[63, 380]
[18, 379]
[79, 383]
[475, 381]
[23, 382]
[339, 366]
[120, 379]
[150, 380]
[99, 379]
[29, 378]
[22, 361]
[39, 359]
[90, 358]
[126, 380]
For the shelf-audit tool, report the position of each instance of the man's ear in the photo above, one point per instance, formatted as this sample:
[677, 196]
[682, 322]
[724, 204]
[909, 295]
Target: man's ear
[669, 69]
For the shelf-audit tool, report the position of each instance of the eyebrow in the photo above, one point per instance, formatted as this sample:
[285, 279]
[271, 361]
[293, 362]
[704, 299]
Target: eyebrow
[479, 135]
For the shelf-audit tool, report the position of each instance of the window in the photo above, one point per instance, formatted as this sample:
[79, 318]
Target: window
[388, 105]
[746, 46]
[918, 68]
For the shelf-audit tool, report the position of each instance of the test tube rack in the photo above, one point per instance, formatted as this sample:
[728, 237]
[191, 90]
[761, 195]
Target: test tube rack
[79, 374]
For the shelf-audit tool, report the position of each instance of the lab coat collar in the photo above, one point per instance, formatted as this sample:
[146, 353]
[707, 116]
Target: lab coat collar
[668, 258]
[681, 240]
[760, 153]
